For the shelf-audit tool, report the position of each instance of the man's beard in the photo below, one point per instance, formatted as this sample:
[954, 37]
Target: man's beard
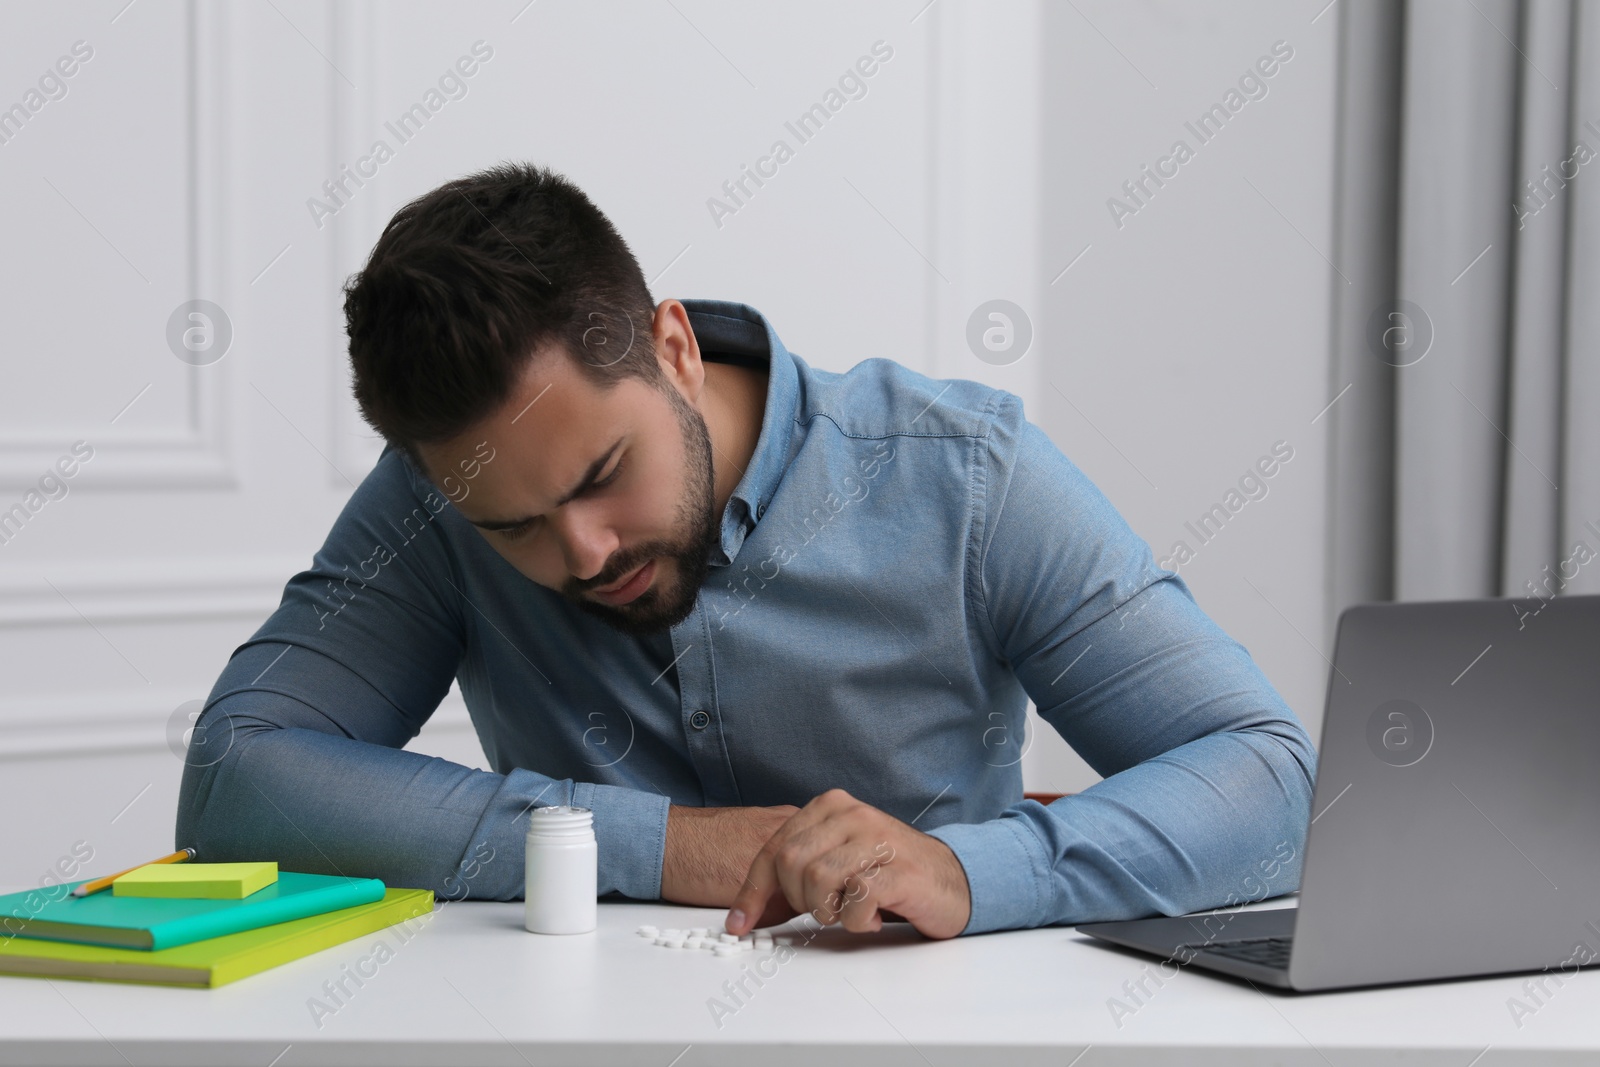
[660, 608]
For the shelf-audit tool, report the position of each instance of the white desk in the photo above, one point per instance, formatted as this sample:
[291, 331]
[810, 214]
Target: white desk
[472, 987]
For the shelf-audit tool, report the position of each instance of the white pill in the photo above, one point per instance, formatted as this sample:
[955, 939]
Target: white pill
[725, 949]
[693, 942]
[729, 939]
[647, 931]
[699, 931]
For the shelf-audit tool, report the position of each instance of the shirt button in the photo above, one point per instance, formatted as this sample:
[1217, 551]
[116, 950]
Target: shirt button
[761, 509]
[700, 720]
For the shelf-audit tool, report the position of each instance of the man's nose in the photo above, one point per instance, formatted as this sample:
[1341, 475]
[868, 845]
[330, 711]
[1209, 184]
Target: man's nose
[587, 542]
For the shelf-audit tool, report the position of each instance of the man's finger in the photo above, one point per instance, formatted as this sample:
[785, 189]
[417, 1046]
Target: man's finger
[860, 911]
[826, 842]
[822, 886]
[864, 883]
[808, 833]
[840, 874]
[754, 898]
[751, 900]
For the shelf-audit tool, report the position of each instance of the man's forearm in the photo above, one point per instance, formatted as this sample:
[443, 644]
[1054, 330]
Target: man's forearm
[709, 851]
[325, 803]
[1213, 823]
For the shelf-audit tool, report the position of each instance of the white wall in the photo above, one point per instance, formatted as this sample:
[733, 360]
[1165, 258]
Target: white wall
[179, 165]
[1189, 339]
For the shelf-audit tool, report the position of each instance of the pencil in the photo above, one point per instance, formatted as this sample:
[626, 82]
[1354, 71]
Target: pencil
[100, 883]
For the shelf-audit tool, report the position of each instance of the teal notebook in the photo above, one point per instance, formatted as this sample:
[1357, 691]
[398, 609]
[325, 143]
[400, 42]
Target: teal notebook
[155, 923]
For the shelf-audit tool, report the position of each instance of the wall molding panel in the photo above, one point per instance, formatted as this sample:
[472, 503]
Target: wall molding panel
[196, 453]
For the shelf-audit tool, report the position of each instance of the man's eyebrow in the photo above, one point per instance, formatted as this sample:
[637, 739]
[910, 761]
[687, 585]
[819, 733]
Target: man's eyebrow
[588, 479]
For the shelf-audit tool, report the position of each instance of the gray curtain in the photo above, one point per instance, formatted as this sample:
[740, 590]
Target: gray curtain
[1465, 456]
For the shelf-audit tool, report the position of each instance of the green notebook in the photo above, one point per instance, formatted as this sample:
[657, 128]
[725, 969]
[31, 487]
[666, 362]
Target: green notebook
[104, 918]
[220, 960]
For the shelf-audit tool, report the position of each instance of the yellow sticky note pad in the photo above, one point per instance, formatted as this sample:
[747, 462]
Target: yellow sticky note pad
[207, 881]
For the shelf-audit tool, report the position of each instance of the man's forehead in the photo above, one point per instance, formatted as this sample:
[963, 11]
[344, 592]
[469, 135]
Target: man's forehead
[548, 407]
[563, 418]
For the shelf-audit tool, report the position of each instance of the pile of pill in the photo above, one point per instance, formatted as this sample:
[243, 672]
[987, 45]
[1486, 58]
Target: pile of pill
[715, 941]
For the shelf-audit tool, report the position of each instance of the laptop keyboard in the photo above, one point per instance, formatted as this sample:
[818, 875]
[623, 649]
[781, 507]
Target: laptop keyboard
[1270, 952]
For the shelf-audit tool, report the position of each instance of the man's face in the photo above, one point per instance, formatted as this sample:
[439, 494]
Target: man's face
[640, 460]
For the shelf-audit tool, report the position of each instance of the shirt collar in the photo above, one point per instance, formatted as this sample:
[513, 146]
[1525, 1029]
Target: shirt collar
[723, 327]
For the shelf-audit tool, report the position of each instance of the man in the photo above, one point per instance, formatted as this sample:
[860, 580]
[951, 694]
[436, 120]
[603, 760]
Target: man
[777, 627]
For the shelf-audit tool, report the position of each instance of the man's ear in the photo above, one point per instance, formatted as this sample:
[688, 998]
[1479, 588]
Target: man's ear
[677, 350]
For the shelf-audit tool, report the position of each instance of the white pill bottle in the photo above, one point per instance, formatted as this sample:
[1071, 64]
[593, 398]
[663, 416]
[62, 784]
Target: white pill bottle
[561, 864]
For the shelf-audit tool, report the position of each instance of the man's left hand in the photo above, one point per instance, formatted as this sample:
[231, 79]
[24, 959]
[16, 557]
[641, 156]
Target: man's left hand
[847, 862]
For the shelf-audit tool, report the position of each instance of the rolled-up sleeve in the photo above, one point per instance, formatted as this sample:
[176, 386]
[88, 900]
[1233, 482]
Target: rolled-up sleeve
[1207, 773]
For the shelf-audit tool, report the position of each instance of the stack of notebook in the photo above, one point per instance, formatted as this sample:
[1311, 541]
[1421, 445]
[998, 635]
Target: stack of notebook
[161, 931]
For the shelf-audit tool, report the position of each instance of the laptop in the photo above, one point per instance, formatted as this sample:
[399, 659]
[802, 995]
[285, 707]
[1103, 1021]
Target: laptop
[1455, 825]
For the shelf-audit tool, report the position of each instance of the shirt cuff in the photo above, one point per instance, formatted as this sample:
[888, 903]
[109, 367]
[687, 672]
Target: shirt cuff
[630, 830]
[1008, 872]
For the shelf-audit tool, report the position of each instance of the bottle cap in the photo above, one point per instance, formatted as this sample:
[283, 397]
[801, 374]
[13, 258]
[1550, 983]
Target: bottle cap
[560, 821]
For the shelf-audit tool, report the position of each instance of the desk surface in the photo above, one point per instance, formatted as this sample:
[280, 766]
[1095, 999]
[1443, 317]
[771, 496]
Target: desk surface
[470, 986]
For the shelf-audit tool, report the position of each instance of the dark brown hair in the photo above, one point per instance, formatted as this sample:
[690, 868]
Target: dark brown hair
[469, 280]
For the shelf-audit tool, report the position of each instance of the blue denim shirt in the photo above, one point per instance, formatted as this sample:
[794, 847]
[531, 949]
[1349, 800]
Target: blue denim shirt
[905, 562]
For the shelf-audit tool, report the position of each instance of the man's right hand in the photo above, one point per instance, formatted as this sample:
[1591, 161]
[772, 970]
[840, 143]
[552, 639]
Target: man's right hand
[709, 853]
